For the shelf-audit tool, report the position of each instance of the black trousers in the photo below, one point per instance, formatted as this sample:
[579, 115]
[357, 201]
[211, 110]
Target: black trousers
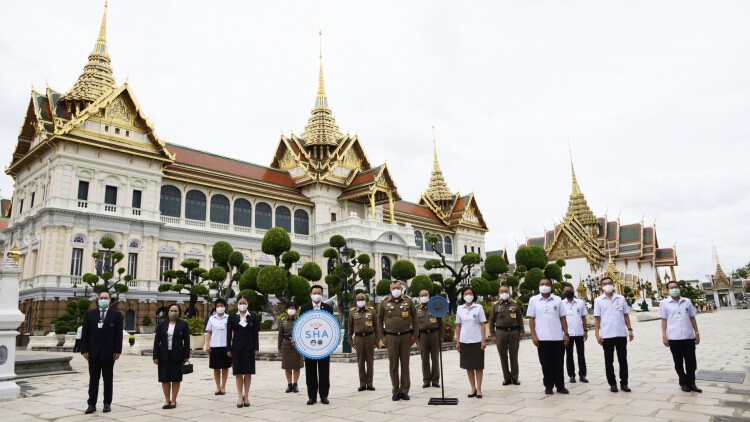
[317, 374]
[100, 367]
[621, 345]
[684, 351]
[578, 342]
[551, 355]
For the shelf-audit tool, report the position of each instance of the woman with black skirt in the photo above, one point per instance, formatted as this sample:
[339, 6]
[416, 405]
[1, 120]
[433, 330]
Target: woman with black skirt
[171, 351]
[216, 346]
[470, 332]
[242, 343]
[291, 360]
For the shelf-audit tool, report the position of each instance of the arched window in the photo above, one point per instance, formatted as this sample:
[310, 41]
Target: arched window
[130, 320]
[448, 246]
[171, 201]
[220, 209]
[195, 205]
[263, 216]
[427, 243]
[439, 244]
[385, 268]
[243, 213]
[284, 218]
[418, 239]
[301, 222]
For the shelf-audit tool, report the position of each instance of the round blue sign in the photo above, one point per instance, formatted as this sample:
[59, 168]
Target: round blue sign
[437, 306]
[316, 334]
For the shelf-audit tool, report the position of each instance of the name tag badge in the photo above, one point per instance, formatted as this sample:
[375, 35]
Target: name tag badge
[100, 324]
[678, 316]
[223, 325]
[368, 323]
[433, 320]
[571, 312]
[618, 307]
[512, 314]
[405, 314]
[547, 309]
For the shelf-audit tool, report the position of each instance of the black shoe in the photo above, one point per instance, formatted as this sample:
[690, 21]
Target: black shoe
[506, 382]
[294, 388]
[613, 388]
[516, 382]
[573, 379]
[436, 384]
[685, 388]
[548, 391]
[106, 408]
[324, 400]
[396, 397]
[309, 402]
[289, 388]
[405, 396]
[370, 388]
[425, 385]
[695, 388]
[625, 388]
[583, 379]
[563, 390]
[361, 388]
[90, 410]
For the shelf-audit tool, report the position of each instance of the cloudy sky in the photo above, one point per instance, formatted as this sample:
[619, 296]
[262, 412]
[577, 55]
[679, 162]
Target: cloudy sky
[653, 96]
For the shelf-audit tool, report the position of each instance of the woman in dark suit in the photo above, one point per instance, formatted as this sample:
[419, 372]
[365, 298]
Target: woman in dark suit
[171, 351]
[242, 343]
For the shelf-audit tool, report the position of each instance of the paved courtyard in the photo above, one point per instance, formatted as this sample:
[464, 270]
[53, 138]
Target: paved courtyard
[655, 397]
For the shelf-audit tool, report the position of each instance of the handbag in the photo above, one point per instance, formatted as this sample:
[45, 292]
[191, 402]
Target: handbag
[187, 368]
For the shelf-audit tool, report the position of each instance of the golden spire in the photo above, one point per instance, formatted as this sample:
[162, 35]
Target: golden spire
[611, 270]
[321, 128]
[97, 78]
[577, 205]
[438, 188]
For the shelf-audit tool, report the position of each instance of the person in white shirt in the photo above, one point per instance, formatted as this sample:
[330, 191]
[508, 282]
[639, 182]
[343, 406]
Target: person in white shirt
[679, 332]
[612, 328]
[575, 315]
[216, 346]
[471, 333]
[549, 333]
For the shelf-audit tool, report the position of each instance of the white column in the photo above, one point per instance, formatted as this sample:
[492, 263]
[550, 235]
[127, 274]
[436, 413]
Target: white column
[717, 299]
[10, 319]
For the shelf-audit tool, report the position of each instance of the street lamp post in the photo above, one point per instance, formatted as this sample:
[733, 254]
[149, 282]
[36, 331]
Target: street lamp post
[344, 261]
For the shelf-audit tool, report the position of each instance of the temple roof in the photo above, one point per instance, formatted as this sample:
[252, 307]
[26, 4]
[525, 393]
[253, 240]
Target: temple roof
[321, 128]
[577, 205]
[417, 215]
[438, 189]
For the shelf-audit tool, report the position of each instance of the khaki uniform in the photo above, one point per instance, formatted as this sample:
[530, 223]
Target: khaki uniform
[290, 358]
[397, 321]
[506, 323]
[430, 336]
[362, 326]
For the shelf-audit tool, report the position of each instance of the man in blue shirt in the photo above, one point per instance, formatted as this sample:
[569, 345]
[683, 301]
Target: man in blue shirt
[679, 332]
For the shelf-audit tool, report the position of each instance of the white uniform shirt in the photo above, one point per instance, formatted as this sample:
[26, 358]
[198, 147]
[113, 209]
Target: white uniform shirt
[546, 314]
[217, 326]
[573, 312]
[470, 319]
[678, 314]
[612, 313]
[170, 336]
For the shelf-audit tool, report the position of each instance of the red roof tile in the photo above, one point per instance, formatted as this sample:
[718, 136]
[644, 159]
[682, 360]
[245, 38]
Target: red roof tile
[414, 209]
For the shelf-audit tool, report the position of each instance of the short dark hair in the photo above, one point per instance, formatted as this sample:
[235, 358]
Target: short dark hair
[567, 285]
[466, 289]
[291, 305]
[316, 286]
[220, 300]
[545, 278]
[608, 278]
[674, 282]
[240, 297]
[104, 291]
[178, 308]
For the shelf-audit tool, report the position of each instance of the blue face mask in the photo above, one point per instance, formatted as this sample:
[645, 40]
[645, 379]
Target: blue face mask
[569, 295]
[674, 292]
[103, 303]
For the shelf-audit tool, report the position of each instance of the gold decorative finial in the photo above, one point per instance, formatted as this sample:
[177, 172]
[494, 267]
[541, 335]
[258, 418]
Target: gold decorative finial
[438, 189]
[103, 29]
[321, 86]
[577, 206]
[321, 128]
[15, 253]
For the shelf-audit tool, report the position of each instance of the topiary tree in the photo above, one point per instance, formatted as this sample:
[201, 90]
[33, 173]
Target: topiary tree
[459, 277]
[228, 269]
[531, 257]
[423, 282]
[383, 288]
[276, 241]
[193, 281]
[106, 266]
[353, 271]
[403, 270]
[495, 265]
[554, 272]
[73, 316]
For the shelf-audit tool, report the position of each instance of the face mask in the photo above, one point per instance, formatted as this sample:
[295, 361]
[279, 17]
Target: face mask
[396, 293]
[173, 315]
[504, 296]
[608, 288]
[424, 299]
[545, 289]
[220, 310]
[291, 312]
[317, 298]
[468, 298]
[242, 307]
[674, 292]
[361, 303]
[569, 295]
[103, 303]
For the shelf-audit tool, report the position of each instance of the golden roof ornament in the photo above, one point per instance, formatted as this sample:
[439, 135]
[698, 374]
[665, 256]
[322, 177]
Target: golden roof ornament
[97, 78]
[321, 128]
[612, 271]
[438, 189]
[577, 205]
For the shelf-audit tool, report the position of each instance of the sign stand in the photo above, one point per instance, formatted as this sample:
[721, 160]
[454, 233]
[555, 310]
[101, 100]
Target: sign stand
[438, 307]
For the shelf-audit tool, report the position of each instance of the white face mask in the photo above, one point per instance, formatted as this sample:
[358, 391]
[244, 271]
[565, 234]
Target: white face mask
[317, 298]
[545, 289]
[291, 312]
[396, 293]
[220, 310]
[468, 298]
[608, 288]
[424, 299]
[504, 296]
[361, 303]
[242, 307]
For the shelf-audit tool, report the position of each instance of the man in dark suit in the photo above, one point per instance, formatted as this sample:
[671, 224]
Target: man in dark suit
[317, 370]
[101, 345]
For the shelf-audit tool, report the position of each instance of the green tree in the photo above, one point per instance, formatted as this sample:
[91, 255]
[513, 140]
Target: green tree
[229, 267]
[353, 270]
[403, 270]
[495, 265]
[276, 241]
[460, 276]
[73, 316]
[423, 282]
[191, 281]
[531, 257]
[106, 266]
[553, 272]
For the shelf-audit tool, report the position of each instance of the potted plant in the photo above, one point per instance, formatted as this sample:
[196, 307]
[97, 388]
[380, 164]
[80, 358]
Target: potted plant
[38, 331]
[61, 328]
[195, 325]
[131, 339]
[450, 324]
[147, 326]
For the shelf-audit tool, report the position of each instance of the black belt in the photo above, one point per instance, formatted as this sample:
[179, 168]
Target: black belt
[398, 333]
[368, 333]
[508, 328]
[287, 337]
[428, 330]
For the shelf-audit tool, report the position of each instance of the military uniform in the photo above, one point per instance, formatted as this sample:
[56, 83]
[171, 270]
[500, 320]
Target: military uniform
[430, 334]
[290, 358]
[362, 325]
[397, 322]
[506, 323]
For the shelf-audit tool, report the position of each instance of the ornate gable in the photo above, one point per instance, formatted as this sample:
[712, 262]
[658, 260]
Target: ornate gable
[572, 240]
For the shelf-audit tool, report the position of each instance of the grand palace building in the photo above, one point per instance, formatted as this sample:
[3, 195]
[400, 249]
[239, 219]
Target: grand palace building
[88, 164]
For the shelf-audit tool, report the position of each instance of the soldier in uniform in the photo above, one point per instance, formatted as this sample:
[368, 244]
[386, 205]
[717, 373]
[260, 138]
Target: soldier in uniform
[291, 360]
[362, 323]
[506, 326]
[397, 322]
[430, 333]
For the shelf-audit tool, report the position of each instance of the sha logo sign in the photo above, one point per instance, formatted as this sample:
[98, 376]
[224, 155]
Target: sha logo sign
[316, 334]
